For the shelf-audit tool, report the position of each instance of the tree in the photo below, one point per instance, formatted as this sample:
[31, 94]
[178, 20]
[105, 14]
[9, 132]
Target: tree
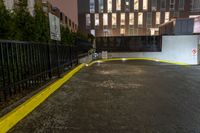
[4, 21]
[91, 38]
[41, 24]
[23, 23]
[67, 36]
[81, 35]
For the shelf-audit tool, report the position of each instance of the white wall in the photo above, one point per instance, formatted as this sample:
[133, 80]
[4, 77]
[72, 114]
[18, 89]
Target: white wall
[174, 48]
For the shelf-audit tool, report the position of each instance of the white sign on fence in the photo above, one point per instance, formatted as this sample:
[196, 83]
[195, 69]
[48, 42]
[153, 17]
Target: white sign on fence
[54, 23]
[104, 54]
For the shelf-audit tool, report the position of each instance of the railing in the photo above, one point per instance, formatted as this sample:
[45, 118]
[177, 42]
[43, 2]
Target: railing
[25, 66]
[129, 44]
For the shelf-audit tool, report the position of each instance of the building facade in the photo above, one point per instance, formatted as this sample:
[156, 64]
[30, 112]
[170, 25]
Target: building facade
[132, 17]
[10, 4]
[66, 10]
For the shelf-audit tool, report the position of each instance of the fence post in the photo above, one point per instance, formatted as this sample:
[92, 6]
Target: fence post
[2, 91]
[58, 58]
[70, 49]
[76, 54]
[49, 61]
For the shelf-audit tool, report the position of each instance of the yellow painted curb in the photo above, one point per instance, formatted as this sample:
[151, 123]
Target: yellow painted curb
[12, 118]
[149, 59]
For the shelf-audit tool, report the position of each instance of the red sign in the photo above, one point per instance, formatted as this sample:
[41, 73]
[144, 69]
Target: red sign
[194, 52]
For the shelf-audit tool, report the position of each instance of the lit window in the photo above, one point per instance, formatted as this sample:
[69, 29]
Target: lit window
[109, 5]
[136, 4]
[145, 4]
[163, 4]
[140, 18]
[92, 6]
[153, 5]
[131, 31]
[88, 21]
[118, 5]
[96, 19]
[127, 5]
[100, 6]
[122, 18]
[131, 19]
[195, 5]
[154, 31]
[157, 17]
[166, 16]
[181, 4]
[149, 19]
[105, 19]
[114, 20]
[172, 4]
[122, 31]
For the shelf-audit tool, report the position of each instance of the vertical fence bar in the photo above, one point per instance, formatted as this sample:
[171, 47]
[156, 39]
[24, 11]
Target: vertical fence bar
[17, 65]
[25, 66]
[20, 52]
[34, 63]
[3, 76]
[49, 61]
[13, 69]
[70, 52]
[8, 70]
[31, 64]
[77, 61]
[58, 59]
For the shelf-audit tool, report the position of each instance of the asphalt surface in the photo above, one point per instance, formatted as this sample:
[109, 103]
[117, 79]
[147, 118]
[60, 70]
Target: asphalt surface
[122, 97]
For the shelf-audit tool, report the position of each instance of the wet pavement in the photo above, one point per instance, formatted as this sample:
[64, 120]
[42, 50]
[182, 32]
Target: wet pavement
[122, 97]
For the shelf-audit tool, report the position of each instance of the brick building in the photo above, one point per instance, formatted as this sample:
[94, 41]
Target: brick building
[132, 17]
[66, 10]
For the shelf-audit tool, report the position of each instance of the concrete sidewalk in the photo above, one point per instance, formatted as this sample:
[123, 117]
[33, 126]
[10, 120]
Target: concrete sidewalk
[122, 97]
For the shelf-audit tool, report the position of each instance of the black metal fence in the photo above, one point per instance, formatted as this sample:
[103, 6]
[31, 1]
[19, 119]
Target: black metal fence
[83, 47]
[25, 66]
[129, 44]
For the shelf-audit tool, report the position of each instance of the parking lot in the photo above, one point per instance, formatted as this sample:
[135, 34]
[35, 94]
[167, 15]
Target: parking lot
[122, 97]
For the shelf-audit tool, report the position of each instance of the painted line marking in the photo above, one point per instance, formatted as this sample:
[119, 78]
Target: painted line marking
[148, 59]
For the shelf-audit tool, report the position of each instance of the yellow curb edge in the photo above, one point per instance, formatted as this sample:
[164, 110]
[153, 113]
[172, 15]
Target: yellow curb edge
[149, 59]
[12, 118]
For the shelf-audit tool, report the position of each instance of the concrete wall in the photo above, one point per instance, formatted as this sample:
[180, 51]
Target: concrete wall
[174, 48]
